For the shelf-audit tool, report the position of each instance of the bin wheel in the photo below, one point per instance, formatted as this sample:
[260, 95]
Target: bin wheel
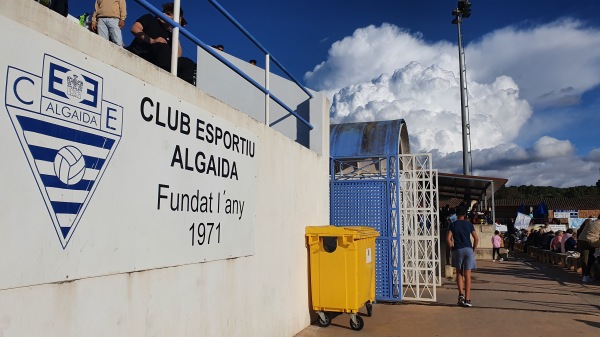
[360, 323]
[369, 309]
[324, 322]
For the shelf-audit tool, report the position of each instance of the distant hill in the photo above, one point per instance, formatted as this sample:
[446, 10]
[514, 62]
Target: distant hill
[546, 192]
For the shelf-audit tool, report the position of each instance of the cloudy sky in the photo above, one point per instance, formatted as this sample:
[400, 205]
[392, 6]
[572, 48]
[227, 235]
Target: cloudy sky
[526, 85]
[533, 73]
[533, 95]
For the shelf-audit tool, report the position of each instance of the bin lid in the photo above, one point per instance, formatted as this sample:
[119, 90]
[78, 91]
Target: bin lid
[357, 232]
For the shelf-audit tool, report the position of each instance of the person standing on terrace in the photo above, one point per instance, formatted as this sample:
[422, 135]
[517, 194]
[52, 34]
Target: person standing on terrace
[109, 19]
[587, 242]
[60, 6]
[496, 244]
[511, 232]
[463, 254]
[153, 37]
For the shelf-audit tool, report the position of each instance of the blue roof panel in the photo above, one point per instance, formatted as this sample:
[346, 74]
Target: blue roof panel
[382, 138]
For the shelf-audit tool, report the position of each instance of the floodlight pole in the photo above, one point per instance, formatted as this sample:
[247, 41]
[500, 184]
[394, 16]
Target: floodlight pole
[463, 105]
[463, 92]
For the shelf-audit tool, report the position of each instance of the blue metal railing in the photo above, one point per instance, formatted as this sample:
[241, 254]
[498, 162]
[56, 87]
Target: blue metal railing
[216, 55]
[257, 44]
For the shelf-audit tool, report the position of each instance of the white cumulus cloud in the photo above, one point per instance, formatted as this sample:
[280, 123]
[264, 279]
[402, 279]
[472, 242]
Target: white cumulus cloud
[552, 63]
[428, 99]
[372, 51]
[548, 147]
[594, 155]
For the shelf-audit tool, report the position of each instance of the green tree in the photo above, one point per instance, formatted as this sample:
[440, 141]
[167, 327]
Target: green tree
[546, 192]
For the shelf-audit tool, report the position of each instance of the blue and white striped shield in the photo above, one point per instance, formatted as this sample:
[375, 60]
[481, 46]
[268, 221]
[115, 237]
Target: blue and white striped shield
[68, 134]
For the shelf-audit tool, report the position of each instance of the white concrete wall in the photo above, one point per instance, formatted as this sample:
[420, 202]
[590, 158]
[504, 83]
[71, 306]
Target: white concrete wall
[129, 268]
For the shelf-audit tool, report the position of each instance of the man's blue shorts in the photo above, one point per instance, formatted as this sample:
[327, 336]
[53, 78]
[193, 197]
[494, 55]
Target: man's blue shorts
[463, 259]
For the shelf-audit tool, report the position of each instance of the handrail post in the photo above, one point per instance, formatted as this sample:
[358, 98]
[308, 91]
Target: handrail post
[267, 86]
[175, 37]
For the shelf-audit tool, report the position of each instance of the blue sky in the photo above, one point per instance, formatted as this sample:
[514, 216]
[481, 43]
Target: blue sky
[533, 71]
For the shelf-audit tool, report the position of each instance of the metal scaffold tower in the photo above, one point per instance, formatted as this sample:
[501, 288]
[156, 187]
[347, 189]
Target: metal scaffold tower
[420, 230]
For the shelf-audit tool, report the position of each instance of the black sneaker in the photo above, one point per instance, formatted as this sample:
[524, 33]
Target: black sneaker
[467, 303]
[461, 299]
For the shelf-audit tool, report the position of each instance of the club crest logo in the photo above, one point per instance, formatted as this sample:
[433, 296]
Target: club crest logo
[68, 134]
[74, 86]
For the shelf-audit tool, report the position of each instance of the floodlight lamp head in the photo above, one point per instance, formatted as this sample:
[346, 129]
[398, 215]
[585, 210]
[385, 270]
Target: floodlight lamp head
[464, 7]
[464, 4]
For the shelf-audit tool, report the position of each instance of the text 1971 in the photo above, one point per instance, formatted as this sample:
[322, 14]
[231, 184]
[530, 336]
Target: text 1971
[202, 233]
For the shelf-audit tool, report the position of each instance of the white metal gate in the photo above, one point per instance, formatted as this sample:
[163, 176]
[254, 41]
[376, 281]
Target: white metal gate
[420, 228]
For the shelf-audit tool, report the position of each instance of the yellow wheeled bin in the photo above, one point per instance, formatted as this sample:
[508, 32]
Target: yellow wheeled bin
[342, 271]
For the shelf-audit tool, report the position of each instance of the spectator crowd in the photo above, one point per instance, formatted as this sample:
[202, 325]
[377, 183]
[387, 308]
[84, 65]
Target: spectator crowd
[584, 243]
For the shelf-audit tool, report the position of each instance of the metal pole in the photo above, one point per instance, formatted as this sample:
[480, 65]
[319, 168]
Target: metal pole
[493, 204]
[463, 107]
[268, 92]
[175, 38]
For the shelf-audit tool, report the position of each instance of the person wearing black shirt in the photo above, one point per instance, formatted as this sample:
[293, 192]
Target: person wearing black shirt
[60, 6]
[512, 235]
[463, 254]
[444, 214]
[152, 42]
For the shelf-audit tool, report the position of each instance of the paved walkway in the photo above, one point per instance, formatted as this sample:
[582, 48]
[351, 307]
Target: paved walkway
[519, 297]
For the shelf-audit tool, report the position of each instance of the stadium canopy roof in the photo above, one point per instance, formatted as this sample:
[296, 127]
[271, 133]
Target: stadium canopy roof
[463, 187]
